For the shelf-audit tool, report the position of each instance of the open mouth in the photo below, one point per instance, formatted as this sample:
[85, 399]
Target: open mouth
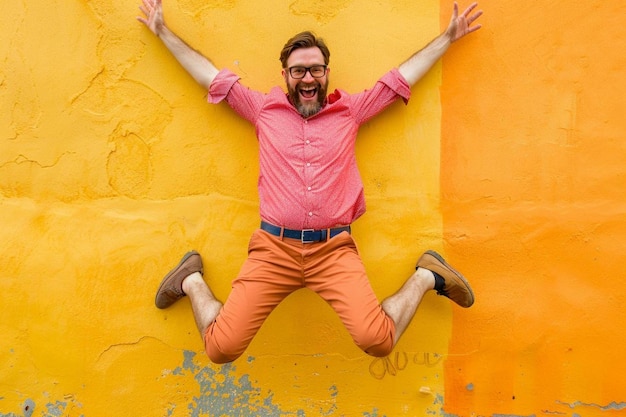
[308, 92]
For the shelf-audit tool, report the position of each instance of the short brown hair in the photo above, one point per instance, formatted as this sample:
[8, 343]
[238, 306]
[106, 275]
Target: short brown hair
[303, 40]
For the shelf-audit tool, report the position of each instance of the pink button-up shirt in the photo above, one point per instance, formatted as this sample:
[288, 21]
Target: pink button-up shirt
[308, 173]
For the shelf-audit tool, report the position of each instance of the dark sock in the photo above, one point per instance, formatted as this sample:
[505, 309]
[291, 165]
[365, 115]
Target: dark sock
[440, 283]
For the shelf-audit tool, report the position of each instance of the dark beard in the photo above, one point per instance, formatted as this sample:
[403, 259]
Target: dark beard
[309, 109]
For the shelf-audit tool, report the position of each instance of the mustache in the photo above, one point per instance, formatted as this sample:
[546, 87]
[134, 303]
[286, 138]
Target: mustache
[315, 84]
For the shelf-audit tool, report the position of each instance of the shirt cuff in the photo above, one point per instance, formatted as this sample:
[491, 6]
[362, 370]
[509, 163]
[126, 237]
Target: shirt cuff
[221, 85]
[394, 80]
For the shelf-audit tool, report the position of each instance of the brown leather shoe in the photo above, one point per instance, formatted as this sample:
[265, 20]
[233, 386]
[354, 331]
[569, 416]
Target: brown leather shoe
[171, 288]
[455, 286]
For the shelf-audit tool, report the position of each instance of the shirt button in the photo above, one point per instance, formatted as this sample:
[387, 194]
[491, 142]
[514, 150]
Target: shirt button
[308, 188]
[308, 141]
[308, 164]
[310, 213]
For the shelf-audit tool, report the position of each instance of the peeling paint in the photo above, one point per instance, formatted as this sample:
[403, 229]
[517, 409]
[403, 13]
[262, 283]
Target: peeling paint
[56, 409]
[52, 408]
[513, 415]
[223, 392]
[28, 408]
[611, 406]
[374, 413]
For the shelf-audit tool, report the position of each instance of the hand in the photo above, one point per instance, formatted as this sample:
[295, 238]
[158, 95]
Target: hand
[460, 25]
[153, 10]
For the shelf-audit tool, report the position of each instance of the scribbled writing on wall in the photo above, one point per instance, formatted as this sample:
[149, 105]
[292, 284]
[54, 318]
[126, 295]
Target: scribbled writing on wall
[398, 361]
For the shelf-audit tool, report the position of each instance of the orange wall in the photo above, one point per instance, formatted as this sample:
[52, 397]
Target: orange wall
[533, 173]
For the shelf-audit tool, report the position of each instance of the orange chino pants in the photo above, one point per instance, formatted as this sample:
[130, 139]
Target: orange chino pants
[275, 268]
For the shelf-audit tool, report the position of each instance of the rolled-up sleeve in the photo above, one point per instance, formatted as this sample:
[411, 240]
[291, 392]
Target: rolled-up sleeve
[246, 102]
[221, 85]
[387, 89]
[394, 80]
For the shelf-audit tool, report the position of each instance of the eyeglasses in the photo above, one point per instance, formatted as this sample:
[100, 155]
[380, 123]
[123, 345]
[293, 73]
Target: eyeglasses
[316, 71]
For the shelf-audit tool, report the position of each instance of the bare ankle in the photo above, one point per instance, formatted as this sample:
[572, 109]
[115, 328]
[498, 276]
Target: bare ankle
[192, 280]
[425, 277]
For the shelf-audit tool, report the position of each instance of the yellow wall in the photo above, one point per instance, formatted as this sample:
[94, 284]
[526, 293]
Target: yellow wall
[509, 159]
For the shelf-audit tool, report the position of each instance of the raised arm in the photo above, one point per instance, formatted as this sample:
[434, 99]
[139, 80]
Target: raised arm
[197, 65]
[414, 68]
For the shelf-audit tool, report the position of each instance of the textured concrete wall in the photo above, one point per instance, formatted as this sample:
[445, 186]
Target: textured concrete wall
[533, 176]
[509, 159]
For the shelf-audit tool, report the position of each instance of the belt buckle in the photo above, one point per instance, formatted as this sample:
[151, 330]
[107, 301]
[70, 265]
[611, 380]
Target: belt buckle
[302, 235]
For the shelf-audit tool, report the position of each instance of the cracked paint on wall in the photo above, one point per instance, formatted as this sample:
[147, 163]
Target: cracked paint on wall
[322, 11]
[112, 163]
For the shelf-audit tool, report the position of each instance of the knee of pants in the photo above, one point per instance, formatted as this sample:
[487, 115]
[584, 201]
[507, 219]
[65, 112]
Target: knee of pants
[224, 350]
[381, 350]
[219, 357]
[376, 343]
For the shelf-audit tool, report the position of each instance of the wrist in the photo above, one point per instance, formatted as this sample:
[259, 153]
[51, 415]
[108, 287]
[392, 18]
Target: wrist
[161, 31]
[450, 34]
